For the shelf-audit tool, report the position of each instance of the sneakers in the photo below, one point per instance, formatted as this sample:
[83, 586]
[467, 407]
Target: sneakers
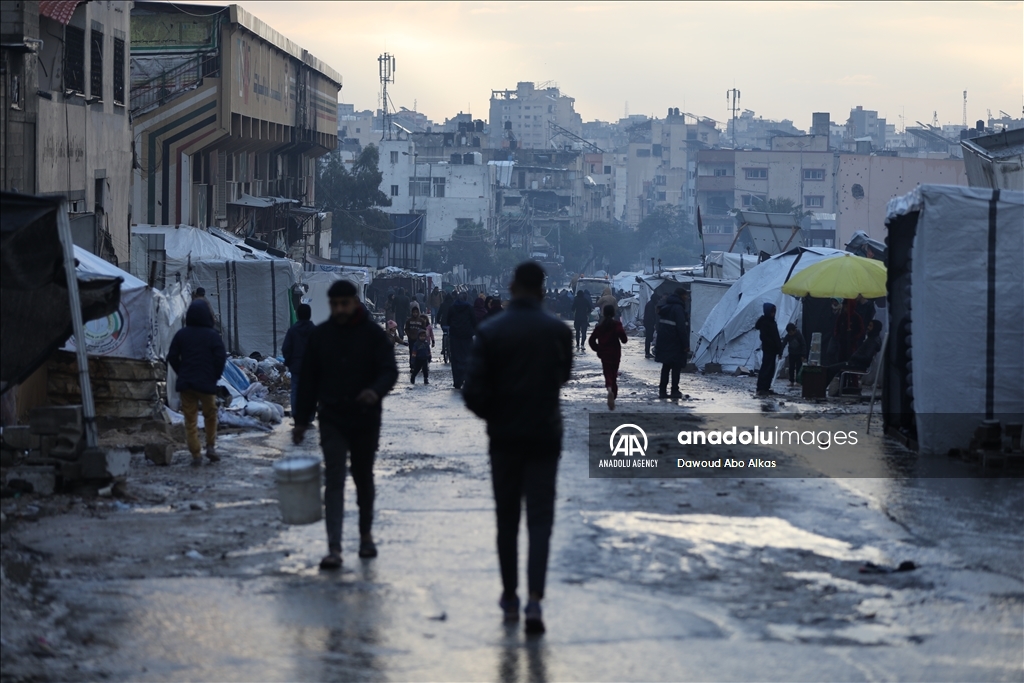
[211, 454]
[510, 608]
[534, 618]
[611, 400]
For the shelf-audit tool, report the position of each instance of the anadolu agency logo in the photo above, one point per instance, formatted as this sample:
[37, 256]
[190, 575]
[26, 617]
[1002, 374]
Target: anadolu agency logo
[629, 442]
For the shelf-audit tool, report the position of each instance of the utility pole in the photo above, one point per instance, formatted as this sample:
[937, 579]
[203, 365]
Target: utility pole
[965, 109]
[734, 106]
[386, 66]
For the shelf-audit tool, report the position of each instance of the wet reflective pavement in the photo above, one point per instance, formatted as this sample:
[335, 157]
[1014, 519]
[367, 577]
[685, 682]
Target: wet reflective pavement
[650, 579]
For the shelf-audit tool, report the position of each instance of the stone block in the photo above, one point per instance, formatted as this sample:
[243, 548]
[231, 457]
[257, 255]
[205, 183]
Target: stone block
[690, 368]
[49, 420]
[103, 464]
[159, 453]
[712, 368]
[20, 438]
[43, 479]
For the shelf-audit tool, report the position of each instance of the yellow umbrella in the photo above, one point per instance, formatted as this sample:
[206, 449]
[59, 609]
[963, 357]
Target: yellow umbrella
[843, 277]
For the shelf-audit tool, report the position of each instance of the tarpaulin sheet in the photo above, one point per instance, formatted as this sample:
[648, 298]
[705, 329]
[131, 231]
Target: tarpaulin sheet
[967, 304]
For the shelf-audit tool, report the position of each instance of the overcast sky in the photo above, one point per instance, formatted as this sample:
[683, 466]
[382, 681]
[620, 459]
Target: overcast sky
[788, 59]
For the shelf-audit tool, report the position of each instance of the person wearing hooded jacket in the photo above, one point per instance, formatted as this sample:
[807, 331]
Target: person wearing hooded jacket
[197, 355]
[294, 347]
[608, 299]
[771, 348]
[650, 323]
[672, 348]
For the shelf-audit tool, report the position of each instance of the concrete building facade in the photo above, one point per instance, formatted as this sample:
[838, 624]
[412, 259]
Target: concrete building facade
[65, 123]
[530, 110]
[226, 107]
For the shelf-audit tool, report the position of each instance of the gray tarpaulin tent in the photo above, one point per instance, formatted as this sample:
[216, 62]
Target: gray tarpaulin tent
[251, 300]
[956, 304]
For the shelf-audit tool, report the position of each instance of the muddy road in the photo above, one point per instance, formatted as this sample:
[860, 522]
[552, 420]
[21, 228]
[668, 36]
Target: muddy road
[192, 576]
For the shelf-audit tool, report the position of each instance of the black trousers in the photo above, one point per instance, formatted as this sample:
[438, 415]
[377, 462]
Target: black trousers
[795, 363]
[581, 333]
[667, 369]
[459, 349]
[339, 447]
[418, 365]
[524, 471]
[767, 372]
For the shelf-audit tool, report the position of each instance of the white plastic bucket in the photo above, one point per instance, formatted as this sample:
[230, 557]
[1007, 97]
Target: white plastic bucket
[298, 489]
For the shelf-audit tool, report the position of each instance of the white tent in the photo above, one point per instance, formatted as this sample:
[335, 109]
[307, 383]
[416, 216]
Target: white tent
[705, 293]
[728, 336]
[729, 266]
[143, 324]
[184, 245]
[966, 309]
[317, 282]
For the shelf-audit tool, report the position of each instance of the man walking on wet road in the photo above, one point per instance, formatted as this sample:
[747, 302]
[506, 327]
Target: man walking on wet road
[519, 362]
[348, 368]
[461, 324]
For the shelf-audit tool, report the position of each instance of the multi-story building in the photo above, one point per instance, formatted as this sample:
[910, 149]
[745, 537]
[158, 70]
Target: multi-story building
[230, 117]
[64, 122]
[800, 169]
[447, 192]
[659, 164]
[749, 131]
[538, 116]
[864, 123]
[864, 184]
[356, 128]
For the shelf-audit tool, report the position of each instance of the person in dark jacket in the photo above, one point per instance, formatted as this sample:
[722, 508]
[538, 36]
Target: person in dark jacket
[480, 307]
[435, 305]
[771, 348]
[868, 349]
[607, 341]
[519, 363]
[494, 307]
[402, 304]
[197, 356]
[650, 323]
[797, 350]
[461, 327]
[848, 330]
[442, 310]
[582, 305]
[295, 340]
[672, 348]
[348, 368]
[421, 358]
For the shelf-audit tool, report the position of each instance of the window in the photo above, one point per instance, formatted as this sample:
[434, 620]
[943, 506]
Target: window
[96, 64]
[754, 200]
[419, 187]
[607, 170]
[721, 173]
[438, 184]
[661, 197]
[593, 168]
[641, 152]
[660, 180]
[229, 167]
[756, 173]
[359, 130]
[814, 202]
[74, 59]
[394, 190]
[119, 71]
[394, 157]
[814, 174]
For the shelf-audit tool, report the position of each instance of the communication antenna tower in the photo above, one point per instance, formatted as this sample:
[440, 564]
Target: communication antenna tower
[733, 97]
[965, 108]
[935, 119]
[386, 65]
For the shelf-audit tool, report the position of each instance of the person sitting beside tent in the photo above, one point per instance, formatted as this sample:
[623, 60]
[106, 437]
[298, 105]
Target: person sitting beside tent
[861, 359]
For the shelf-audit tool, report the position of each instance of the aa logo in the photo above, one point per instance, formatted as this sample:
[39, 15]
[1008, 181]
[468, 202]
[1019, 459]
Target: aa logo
[625, 440]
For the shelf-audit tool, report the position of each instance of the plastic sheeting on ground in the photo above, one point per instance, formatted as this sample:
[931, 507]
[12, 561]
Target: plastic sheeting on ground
[968, 251]
[728, 335]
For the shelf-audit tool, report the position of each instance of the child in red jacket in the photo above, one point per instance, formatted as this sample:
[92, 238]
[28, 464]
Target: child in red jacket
[606, 340]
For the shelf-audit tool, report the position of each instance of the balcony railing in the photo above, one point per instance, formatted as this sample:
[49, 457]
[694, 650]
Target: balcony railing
[168, 84]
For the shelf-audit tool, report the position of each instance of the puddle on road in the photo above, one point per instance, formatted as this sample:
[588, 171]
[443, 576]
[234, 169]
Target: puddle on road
[708, 533]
